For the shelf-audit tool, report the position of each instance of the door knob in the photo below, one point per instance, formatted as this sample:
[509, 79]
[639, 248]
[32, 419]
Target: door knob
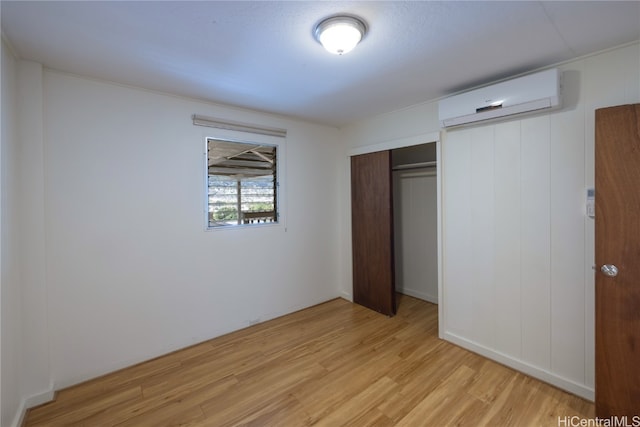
[609, 270]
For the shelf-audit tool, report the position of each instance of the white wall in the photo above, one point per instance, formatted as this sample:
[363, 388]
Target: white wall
[518, 251]
[35, 376]
[25, 369]
[105, 261]
[24, 372]
[131, 273]
[10, 298]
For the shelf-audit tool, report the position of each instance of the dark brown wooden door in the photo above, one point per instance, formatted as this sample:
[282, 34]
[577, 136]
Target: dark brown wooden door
[372, 232]
[618, 244]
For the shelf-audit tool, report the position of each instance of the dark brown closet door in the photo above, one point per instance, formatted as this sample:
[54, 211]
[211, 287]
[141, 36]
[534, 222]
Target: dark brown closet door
[618, 261]
[372, 232]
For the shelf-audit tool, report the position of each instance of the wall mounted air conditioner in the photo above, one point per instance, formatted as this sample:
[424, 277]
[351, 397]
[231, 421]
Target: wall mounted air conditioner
[538, 91]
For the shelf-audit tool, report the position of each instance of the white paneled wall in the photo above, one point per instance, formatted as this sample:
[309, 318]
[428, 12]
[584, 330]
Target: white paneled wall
[507, 201]
[518, 249]
[534, 211]
[567, 202]
[514, 239]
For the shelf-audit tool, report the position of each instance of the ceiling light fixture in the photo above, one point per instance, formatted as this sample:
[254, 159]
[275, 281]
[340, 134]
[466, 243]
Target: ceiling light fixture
[340, 34]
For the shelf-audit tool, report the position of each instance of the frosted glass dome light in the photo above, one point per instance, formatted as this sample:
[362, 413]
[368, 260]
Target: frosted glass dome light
[340, 34]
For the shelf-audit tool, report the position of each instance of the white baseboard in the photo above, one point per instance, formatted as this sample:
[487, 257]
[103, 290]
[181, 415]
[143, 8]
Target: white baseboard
[419, 295]
[30, 402]
[346, 295]
[541, 374]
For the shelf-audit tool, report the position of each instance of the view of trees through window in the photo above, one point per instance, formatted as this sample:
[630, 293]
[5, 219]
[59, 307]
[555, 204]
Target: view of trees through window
[242, 184]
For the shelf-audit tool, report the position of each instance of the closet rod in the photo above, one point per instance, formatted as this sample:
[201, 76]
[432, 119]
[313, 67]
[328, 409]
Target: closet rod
[416, 166]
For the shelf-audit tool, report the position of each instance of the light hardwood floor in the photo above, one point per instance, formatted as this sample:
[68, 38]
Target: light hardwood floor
[333, 364]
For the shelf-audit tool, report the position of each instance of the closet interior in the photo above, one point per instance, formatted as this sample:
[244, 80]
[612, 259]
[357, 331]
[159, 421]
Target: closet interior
[415, 221]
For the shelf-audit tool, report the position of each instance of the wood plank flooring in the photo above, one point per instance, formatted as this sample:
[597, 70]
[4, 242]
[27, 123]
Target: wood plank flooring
[335, 364]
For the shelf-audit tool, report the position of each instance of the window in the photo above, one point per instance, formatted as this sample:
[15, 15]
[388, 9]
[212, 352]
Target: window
[244, 166]
[242, 183]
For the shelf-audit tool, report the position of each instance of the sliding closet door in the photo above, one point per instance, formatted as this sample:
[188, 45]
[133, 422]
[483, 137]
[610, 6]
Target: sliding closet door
[372, 232]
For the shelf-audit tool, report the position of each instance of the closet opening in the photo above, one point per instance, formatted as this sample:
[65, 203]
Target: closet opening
[415, 221]
[396, 223]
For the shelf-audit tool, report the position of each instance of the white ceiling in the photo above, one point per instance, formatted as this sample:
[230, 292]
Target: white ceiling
[262, 54]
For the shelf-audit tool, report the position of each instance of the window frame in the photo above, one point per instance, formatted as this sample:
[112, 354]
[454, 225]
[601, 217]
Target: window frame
[247, 138]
